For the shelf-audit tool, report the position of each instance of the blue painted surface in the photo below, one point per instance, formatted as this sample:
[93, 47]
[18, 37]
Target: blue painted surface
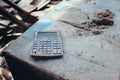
[70, 64]
[39, 26]
[101, 5]
[62, 6]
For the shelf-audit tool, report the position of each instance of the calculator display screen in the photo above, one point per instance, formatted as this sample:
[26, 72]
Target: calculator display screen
[47, 34]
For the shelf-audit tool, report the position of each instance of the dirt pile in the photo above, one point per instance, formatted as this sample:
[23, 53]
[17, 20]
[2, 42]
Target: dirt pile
[101, 20]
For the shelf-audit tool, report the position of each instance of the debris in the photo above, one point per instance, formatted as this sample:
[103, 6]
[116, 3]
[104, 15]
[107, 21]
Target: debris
[101, 27]
[101, 21]
[5, 74]
[104, 18]
[35, 5]
[88, 25]
[33, 2]
[13, 19]
[78, 32]
[73, 24]
[94, 3]
[96, 32]
[105, 14]
[104, 22]
[21, 16]
[54, 2]
[22, 13]
[42, 4]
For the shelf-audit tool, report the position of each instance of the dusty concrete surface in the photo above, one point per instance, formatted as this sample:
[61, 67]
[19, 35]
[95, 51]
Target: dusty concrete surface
[86, 57]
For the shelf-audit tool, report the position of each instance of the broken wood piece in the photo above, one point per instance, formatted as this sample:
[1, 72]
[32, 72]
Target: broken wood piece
[5, 74]
[22, 13]
[33, 2]
[42, 3]
[20, 24]
[15, 34]
[33, 5]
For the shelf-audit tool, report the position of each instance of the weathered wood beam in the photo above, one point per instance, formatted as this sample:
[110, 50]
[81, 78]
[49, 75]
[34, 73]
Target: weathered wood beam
[23, 14]
[12, 18]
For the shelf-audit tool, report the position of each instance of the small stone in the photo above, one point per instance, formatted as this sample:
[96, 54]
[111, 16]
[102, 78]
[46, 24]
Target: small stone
[96, 32]
[78, 32]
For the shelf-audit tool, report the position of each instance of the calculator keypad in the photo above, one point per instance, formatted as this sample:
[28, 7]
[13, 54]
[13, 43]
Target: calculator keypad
[47, 47]
[44, 46]
[35, 45]
[56, 47]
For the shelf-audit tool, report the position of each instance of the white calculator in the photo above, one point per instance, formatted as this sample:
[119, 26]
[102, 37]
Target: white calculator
[47, 44]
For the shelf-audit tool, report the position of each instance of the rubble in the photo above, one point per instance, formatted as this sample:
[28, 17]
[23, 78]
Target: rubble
[78, 32]
[104, 15]
[96, 32]
[10, 31]
[104, 18]
[22, 15]
[101, 20]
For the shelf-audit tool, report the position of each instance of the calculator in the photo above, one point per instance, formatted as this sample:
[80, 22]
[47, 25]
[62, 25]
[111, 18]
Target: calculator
[47, 44]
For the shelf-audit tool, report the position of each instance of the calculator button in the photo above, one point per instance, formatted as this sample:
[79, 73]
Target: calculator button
[45, 47]
[44, 41]
[41, 41]
[48, 40]
[34, 50]
[54, 45]
[54, 51]
[45, 50]
[34, 47]
[34, 44]
[48, 49]
[59, 50]
[48, 52]
[40, 50]
[55, 40]
[40, 47]
[49, 45]
[58, 45]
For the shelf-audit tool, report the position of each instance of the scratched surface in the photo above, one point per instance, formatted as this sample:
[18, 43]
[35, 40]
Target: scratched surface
[86, 57]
